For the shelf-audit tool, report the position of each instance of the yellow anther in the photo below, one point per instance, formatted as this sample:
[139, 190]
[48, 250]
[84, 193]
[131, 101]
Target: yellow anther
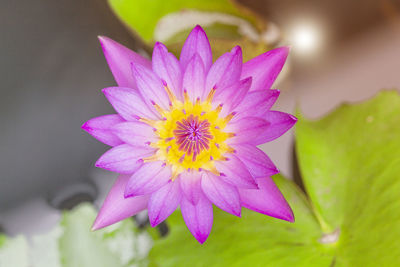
[219, 108]
[152, 123]
[159, 109]
[186, 96]
[214, 171]
[151, 158]
[230, 149]
[211, 95]
[230, 135]
[229, 117]
[171, 95]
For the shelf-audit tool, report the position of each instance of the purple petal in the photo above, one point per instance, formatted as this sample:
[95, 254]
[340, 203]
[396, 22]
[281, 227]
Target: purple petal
[197, 42]
[265, 68]
[234, 172]
[267, 200]
[119, 59]
[164, 202]
[148, 178]
[280, 123]
[135, 133]
[226, 70]
[198, 218]
[256, 161]
[230, 97]
[128, 103]
[191, 185]
[223, 195]
[150, 87]
[247, 130]
[257, 103]
[124, 158]
[99, 128]
[194, 78]
[168, 68]
[116, 208]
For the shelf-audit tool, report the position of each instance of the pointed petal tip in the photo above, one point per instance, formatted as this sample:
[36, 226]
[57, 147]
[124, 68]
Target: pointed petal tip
[154, 223]
[198, 28]
[293, 118]
[85, 126]
[201, 238]
[236, 51]
[289, 217]
[101, 38]
[97, 225]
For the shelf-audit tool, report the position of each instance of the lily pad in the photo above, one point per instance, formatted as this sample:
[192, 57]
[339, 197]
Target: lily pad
[350, 163]
[226, 22]
[114, 246]
[253, 240]
[143, 16]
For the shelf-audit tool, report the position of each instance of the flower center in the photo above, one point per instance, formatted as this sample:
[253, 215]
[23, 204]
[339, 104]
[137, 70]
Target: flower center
[193, 135]
[190, 135]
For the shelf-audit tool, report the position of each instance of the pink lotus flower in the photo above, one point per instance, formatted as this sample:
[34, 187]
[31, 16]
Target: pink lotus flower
[187, 131]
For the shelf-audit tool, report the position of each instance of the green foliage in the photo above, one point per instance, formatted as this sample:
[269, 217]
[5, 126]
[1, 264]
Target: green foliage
[350, 163]
[72, 244]
[253, 240]
[143, 16]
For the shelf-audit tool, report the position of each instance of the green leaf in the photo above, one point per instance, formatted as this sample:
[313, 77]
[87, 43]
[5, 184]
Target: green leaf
[350, 162]
[143, 16]
[14, 252]
[228, 24]
[115, 246]
[253, 240]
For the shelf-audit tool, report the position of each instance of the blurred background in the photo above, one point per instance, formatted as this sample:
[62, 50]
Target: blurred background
[52, 70]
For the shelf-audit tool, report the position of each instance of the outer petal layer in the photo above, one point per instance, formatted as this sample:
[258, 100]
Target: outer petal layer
[280, 123]
[226, 70]
[147, 179]
[234, 172]
[119, 59]
[267, 200]
[194, 78]
[256, 161]
[198, 218]
[257, 103]
[168, 68]
[197, 42]
[135, 133]
[124, 158]
[223, 195]
[265, 68]
[191, 185]
[248, 130]
[116, 208]
[100, 128]
[150, 87]
[128, 103]
[163, 202]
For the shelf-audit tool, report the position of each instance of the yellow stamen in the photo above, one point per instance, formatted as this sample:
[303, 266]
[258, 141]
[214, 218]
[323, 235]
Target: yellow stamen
[152, 123]
[171, 95]
[159, 109]
[211, 95]
[151, 158]
[186, 96]
[219, 108]
[229, 117]
[214, 171]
